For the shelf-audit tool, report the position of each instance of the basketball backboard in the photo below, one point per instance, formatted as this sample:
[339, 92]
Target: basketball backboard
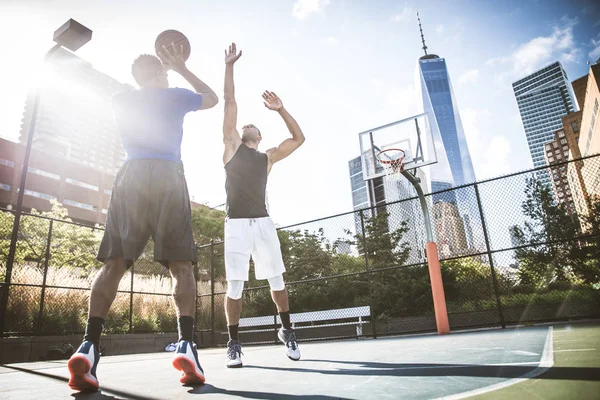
[413, 135]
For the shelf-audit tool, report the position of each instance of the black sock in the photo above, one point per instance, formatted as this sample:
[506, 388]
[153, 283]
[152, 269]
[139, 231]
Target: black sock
[285, 319]
[233, 331]
[93, 330]
[185, 326]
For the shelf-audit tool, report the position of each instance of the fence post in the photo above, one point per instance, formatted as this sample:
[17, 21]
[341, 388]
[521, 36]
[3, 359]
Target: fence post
[366, 251]
[212, 292]
[131, 302]
[43, 296]
[196, 293]
[490, 258]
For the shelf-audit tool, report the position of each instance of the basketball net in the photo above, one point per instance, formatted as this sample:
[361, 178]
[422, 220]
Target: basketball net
[392, 165]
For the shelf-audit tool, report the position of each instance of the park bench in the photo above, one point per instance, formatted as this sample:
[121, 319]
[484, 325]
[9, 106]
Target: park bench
[311, 319]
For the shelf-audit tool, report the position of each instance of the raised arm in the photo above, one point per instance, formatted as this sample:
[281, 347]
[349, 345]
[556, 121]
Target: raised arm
[174, 60]
[231, 137]
[288, 146]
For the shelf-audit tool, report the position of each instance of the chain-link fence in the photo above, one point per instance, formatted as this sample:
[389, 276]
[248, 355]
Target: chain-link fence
[513, 249]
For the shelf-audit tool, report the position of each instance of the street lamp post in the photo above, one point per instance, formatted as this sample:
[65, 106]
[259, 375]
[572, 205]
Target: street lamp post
[71, 35]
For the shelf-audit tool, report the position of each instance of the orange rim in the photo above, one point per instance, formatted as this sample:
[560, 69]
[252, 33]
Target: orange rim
[394, 163]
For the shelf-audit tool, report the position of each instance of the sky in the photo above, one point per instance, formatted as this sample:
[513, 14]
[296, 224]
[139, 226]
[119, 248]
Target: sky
[340, 67]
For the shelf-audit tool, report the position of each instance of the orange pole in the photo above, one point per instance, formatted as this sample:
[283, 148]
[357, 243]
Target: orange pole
[437, 288]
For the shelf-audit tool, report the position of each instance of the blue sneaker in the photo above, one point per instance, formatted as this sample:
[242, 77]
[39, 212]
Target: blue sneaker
[186, 361]
[82, 367]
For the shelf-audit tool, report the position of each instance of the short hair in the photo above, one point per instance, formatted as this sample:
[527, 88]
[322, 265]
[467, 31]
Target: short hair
[145, 68]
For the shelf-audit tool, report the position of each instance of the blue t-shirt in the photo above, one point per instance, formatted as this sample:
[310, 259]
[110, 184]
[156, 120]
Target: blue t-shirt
[150, 121]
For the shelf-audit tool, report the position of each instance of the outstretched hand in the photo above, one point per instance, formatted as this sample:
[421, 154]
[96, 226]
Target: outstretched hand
[172, 59]
[232, 56]
[272, 101]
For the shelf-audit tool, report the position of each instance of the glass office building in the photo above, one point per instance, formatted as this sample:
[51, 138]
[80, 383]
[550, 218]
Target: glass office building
[543, 98]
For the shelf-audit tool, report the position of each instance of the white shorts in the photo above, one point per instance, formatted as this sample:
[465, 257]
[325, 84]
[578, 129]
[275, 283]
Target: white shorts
[256, 237]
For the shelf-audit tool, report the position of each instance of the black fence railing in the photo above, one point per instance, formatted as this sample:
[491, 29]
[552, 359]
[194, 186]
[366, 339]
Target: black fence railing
[514, 249]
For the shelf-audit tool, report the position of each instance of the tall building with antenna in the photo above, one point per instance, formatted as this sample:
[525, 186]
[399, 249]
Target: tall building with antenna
[439, 101]
[454, 167]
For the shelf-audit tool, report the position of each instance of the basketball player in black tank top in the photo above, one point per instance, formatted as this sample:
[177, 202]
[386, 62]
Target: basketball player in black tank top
[249, 230]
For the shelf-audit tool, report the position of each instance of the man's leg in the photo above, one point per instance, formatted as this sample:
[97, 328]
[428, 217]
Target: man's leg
[233, 307]
[82, 364]
[280, 298]
[233, 310]
[184, 296]
[102, 295]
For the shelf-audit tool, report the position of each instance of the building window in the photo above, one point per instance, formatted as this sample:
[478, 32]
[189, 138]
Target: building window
[41, 172]
[7, 163]
[575, 126]
[82, 184]
[4, 186]
[39, 195]
[80, 205]
[108, 191]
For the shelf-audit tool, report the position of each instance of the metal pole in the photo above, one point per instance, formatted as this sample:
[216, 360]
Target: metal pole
[365, 250]
[212, 291]
[131, 301]
[433, 263]
[19, 209]
[426, 217]
[490, 258]
[196, 293]
[42, 297]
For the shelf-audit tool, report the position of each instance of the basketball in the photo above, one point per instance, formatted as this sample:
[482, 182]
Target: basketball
[172, 36]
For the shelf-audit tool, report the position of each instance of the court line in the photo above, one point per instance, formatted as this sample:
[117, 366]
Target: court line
[562, 351]
[545, 363]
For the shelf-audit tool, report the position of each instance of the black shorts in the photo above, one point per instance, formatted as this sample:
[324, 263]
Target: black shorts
[149, 199]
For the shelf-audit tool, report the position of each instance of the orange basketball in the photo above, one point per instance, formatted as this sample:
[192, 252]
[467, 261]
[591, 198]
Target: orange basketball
[172, 36]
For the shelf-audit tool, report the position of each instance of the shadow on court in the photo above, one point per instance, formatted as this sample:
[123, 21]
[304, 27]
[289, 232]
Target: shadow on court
[210, 389]
[81, 396]
[428, 370]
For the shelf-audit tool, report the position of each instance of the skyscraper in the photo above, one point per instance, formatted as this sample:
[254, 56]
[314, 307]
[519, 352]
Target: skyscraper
[454, 167]
[543, 98]
[75, 119]
[439, 101]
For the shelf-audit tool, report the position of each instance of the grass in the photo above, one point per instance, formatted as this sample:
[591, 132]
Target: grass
[576, 364]
[65, 310]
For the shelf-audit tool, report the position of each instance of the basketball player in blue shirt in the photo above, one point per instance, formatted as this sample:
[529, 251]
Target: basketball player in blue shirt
[149, 199]
[249, 231]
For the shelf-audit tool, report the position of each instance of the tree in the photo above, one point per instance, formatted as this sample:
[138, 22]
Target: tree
[586, 254]
[71, 245]
[384, 247]
[549, 223]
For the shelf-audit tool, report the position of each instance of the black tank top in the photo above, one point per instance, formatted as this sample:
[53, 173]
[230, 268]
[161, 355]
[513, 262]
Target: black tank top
[246, 184]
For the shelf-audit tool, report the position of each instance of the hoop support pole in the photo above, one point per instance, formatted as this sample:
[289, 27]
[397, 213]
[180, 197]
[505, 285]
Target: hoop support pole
[433, 262]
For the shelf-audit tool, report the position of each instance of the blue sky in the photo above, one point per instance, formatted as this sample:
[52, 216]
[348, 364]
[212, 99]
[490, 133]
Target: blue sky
[340, 67]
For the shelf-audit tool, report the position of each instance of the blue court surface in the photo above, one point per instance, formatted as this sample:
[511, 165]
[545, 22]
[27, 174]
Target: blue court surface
[451, 366]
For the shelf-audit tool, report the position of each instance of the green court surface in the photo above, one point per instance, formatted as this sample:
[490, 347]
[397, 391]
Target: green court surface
[575, 373]
[539, 362]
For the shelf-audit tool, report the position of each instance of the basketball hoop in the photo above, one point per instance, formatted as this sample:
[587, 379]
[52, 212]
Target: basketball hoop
[393, 163]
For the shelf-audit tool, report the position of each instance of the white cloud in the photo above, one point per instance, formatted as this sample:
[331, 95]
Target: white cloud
[571, 57]
[595, 53]
[303, 8]
[541, 50]
[402, 100]
[330, 41]
[440, 29]
[469, 77]
[490, 153]
[404, 15]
